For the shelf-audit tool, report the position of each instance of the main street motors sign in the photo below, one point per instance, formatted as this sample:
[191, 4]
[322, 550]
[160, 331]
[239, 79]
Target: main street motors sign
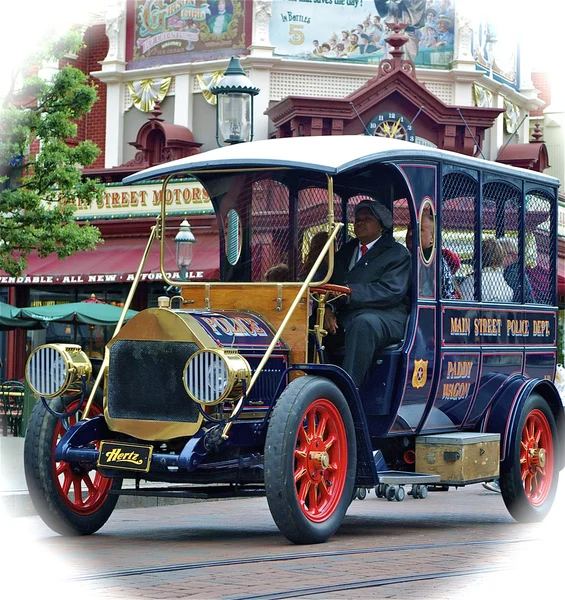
[184, 196]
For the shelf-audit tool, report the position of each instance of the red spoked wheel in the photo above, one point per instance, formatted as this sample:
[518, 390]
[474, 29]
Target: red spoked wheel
[84, 491]
[310, 460]
[320, 460]
[537, 457]
[529, 478]
[72, 498]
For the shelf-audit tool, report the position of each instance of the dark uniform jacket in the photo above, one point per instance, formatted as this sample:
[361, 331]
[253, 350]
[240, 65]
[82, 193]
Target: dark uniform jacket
[379, 280]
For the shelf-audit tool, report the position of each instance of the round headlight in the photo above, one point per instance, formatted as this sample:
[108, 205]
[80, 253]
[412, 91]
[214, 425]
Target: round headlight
[212, 376]
[54, 368]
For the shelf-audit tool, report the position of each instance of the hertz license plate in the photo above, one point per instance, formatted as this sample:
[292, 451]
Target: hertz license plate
[114, 455]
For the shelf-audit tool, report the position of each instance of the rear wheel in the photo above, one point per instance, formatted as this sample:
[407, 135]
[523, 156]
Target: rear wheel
[310, 460]
[528, 481]
[72, 498]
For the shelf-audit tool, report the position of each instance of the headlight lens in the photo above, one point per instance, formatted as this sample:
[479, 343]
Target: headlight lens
[213, 376]
[54, 368]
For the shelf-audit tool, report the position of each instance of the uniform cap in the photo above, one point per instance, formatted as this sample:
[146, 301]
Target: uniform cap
[378, 211]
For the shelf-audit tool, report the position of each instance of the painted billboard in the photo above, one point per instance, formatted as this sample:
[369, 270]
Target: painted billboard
[169, 31]
[495, 49]
[356, 30]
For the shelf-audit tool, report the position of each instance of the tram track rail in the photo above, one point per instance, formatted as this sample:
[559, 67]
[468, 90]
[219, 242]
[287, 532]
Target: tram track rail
[226, 562]
[371, 583]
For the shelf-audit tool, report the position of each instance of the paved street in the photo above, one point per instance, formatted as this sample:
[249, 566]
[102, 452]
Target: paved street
[213, 533]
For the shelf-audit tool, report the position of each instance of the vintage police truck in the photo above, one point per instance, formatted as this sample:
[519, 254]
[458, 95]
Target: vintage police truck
[223, 389]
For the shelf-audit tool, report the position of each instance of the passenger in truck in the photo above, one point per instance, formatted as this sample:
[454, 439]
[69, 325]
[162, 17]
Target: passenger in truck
[377, 269]
[427, 237]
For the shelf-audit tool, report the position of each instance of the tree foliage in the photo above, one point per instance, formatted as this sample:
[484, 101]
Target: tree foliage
[39, 192]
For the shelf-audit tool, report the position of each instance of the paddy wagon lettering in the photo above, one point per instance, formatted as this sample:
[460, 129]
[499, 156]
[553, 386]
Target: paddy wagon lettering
[458, 370]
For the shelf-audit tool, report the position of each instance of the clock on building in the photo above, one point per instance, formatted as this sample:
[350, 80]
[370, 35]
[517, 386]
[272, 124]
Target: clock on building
[392, 125]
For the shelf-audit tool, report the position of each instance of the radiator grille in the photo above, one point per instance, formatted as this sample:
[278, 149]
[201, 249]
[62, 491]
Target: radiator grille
[145, 381]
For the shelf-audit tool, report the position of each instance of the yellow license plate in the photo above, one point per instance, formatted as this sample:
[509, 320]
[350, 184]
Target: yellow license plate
[133, 457]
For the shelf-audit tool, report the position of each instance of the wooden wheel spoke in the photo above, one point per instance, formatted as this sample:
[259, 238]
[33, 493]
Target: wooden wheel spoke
[329, 442]
[67, 481]
[299, 473]
[77, 488]
[304, 486]
[311, 424]
[322, 426]
[303, 437]
[90, 485]
[313, 498]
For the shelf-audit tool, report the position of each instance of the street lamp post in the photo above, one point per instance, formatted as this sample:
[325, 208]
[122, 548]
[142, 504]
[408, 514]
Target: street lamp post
[234, 110]
[184, 241]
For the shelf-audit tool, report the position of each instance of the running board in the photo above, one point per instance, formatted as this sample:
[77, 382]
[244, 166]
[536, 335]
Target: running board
[404, 478]
[199, 493]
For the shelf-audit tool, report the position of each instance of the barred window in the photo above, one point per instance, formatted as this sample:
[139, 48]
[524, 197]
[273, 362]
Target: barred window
[283, 227]
[459, 196]
[539, 252]
[501, 274]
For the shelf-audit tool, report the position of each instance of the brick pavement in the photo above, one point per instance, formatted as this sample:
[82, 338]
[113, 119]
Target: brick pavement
[210, 531]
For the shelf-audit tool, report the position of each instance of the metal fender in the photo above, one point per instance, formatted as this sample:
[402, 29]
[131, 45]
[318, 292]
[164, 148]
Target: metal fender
[366, 469]
[503, 415]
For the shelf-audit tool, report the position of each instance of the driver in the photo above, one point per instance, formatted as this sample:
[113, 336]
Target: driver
[377, 269]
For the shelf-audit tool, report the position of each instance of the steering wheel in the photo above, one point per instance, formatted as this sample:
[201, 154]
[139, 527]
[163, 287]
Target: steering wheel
[331, 289]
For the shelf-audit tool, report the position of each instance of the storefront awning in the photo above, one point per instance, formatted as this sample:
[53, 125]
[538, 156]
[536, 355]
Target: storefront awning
[117, 261]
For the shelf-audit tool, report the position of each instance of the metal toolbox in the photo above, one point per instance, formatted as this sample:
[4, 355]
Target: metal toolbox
[459, 458]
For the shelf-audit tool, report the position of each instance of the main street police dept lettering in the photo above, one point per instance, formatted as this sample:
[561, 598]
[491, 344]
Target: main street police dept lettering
[510, 328]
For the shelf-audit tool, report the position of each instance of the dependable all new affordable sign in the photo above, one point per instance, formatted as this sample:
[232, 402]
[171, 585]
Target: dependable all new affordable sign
[123, 201]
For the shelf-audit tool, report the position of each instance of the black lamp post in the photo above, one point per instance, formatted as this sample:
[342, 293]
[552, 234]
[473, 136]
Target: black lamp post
[184, 241]
[234, 110]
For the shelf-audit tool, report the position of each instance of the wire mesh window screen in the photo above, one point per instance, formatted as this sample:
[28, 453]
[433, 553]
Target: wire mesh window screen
[312, 229]
[501, 276]
[539, 252]
[270, 243]
[459, 195]
[284, 221]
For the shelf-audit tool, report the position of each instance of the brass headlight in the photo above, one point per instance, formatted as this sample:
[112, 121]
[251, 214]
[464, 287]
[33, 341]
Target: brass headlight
[54, 368]
[213, 376]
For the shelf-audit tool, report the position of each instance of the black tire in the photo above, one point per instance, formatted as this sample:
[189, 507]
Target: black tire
[305, 508]
[529, 477]
[361, 493]
[53, 486]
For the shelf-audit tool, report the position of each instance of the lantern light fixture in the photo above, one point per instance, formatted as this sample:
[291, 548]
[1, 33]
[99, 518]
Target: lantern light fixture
[234, 109]
[184, 241]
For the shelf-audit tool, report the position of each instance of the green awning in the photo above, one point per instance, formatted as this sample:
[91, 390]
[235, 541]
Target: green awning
[9, 319]
[89, 313]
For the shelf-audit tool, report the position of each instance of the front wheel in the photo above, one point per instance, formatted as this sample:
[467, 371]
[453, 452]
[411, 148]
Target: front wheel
[71, 498]
[528, 480]
[310, 460]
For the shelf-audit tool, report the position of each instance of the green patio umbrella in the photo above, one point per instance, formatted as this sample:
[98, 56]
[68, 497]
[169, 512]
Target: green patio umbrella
[9, 319]
[89, 313]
